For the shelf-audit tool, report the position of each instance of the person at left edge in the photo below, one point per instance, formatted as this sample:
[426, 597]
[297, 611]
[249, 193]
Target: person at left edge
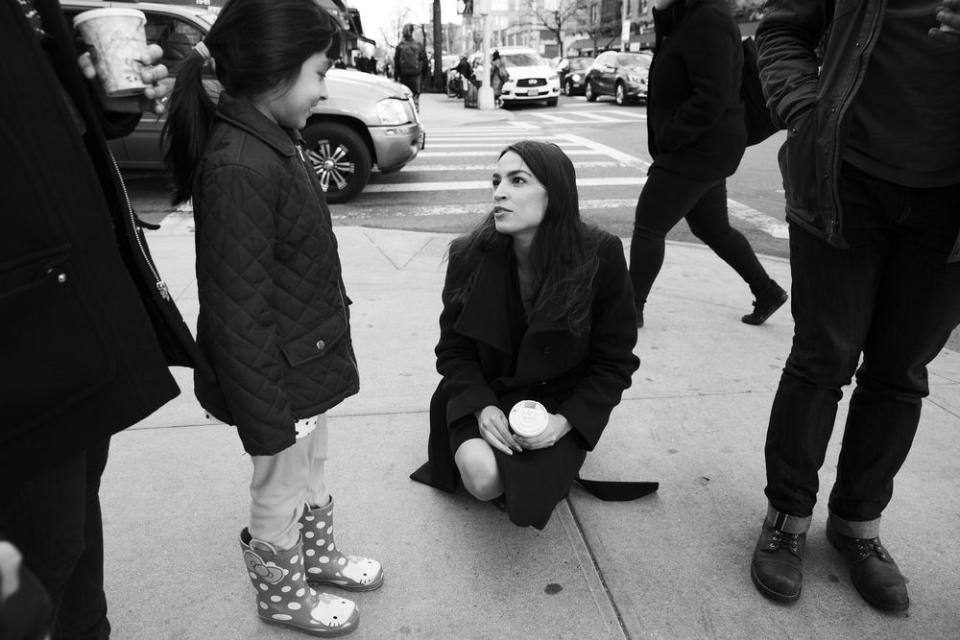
[87, 326]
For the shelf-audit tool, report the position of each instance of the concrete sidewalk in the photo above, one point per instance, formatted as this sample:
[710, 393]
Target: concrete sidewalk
[673, 565]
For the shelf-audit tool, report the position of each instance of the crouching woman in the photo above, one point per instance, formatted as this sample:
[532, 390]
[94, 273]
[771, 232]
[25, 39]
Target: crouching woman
[537, 305]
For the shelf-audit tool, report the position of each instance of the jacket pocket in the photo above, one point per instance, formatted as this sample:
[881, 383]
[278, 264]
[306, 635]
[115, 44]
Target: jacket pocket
[53, 352]
[798, 166]
[317, 343]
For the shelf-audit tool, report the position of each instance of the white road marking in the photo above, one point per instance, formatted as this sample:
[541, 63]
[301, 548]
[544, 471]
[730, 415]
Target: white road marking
[461, 154]
[597, 147]
[413, 167]
[469, 185]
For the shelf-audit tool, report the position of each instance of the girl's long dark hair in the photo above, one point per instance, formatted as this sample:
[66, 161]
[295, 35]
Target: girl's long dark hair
[564, 250]
[257, 46]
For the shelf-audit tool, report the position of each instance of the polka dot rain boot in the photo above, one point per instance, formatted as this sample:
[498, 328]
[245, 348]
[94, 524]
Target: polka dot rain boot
[325, 563]
[284, 597]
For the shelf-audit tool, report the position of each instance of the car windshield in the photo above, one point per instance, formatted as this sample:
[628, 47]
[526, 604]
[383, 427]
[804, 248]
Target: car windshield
[523, 60]
[633, 60]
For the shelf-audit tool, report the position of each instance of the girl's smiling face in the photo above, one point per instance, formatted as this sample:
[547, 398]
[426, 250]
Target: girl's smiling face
[519, 199]
[291, 107]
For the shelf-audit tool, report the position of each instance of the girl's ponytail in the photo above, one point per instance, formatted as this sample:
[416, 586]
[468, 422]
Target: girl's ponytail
[189, 118]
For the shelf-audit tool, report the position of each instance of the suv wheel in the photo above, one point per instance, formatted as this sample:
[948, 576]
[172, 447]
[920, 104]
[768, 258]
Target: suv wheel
[621, 95]
[588, 91]
[340, 158]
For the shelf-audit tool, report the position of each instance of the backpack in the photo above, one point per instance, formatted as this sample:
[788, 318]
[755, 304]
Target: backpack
[409, 59]
[759, 123]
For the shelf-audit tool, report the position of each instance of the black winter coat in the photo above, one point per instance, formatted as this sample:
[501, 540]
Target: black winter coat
[86, 335]
[273, 317]
[695, 119]
[581, 377]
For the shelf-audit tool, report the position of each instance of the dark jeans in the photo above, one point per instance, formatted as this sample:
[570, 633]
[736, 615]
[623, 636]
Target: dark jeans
[891, 297]
[413, 83]
[54, 519]
[667, 198]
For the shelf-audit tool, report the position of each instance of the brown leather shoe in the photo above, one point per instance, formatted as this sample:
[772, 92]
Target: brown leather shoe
[873, 572]
[775, 567]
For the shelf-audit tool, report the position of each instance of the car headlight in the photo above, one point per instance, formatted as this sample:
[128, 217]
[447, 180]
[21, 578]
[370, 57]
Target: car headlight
[576, 77]
[392, 112]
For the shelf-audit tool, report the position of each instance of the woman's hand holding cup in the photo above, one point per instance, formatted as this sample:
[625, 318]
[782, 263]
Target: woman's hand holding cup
[495, 429]
[557, 427]
[157, 84]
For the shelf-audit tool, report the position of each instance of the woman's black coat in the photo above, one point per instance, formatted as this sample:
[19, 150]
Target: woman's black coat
[695, 119]
[86, 334]
[581, 377]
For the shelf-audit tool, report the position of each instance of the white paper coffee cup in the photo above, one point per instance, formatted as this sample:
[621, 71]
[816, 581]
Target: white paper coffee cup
[528, 418]
[117, 40]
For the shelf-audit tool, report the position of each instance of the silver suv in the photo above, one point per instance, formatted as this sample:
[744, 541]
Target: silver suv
[367, 120]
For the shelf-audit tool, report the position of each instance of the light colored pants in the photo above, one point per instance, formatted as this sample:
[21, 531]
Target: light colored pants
[283, 483]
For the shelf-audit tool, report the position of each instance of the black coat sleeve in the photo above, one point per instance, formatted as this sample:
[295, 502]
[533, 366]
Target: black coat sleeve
[457, 358]
[610, 360]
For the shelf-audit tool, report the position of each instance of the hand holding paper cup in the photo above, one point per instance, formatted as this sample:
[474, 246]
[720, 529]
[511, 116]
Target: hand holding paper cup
[528, 418]
[118, 42]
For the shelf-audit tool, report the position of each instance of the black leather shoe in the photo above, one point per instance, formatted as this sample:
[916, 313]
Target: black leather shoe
[768, 301]
[775, 567]
[873, 572]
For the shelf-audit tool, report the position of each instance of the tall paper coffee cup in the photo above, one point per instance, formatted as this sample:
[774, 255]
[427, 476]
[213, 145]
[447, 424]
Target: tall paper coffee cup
[117, 40]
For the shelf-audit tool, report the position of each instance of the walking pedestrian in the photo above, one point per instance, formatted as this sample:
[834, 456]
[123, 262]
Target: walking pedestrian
[872, 187]
[273, 319]
[498, 75]
[87, 325]
[537, 305]
[410, 63]
[696, 136]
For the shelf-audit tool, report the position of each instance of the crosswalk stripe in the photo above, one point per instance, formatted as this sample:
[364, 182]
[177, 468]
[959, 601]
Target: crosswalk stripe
[553, 119]
[469, 185]
[596, 117]
[413, 167]
[457, 154]
[471, 144]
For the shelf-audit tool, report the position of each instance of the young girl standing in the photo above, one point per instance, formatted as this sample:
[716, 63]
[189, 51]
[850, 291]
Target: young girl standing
[273, 310]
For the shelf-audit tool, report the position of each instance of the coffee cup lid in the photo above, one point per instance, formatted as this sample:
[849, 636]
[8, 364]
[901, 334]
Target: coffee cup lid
[528, 418]
[106, 13]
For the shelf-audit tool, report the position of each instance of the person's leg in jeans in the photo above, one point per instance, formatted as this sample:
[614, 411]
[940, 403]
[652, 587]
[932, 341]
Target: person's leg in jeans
[67, 558]
[833, 293]
[665, 199]
[83, 610]
[918, 306]
[709, 221]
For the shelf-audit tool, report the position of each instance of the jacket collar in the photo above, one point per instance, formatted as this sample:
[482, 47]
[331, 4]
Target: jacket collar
[243, 115]
[484, 314]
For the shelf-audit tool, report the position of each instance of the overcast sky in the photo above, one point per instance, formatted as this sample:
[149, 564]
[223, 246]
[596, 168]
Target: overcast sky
[380, 14]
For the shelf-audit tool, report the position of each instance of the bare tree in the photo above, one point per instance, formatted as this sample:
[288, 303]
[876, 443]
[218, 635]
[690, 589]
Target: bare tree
[556, 20]
[392, 33]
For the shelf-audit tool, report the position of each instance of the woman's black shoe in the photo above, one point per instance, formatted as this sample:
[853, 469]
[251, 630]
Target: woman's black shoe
[769, 300]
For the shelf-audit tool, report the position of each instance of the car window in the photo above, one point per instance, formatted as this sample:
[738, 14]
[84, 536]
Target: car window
[523, 60]
[632, 60]
[579, 64]
[175, 36]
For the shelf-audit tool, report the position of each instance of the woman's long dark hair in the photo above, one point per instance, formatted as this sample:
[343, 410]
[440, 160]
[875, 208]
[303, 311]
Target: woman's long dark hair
[257, 46]
[564, 250]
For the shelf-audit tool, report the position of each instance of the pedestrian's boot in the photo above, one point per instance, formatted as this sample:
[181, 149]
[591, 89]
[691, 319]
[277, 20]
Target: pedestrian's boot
[873, 572]
[771, 298]
[776, 565]
[325, 564]
[284, 597]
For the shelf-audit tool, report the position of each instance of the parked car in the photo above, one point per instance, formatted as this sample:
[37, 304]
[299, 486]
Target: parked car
[622, 75]
[531, 78]
[573, 73]
[367, 120]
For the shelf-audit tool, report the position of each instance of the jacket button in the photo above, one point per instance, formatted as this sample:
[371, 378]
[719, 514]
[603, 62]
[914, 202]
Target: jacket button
[61, 278]
[547, 351]
[321, 345]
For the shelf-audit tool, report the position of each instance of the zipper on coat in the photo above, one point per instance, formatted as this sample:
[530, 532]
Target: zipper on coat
[158, 281]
